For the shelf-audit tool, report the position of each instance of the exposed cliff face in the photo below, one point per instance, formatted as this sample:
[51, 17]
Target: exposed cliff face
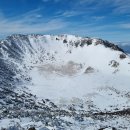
[80, 75]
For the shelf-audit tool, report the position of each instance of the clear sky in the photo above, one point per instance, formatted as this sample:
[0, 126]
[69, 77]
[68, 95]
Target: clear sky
[107, 19]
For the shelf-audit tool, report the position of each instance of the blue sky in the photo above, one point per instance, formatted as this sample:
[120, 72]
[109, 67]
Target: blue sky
[107, 19]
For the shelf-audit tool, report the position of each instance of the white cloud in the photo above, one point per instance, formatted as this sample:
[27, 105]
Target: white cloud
[119, 6]
[125, 25]
[31, 22]
[70, 13]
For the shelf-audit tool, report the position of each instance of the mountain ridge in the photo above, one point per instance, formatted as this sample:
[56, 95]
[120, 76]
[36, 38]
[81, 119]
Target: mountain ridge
[101, 41]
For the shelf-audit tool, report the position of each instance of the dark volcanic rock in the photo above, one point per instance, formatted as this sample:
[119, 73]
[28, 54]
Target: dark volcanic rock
[32, 128]
[114, 63]
[122, 56]
[89, 70]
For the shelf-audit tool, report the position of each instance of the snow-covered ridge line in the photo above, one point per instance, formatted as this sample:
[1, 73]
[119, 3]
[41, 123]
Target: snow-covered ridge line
[71, 38]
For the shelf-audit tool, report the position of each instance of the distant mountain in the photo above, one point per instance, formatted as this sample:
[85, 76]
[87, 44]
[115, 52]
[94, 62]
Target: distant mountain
[125, 46]
[63, 82]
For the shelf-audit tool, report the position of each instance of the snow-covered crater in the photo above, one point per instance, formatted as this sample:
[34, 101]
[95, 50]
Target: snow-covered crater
[66, 69]
[54, 66]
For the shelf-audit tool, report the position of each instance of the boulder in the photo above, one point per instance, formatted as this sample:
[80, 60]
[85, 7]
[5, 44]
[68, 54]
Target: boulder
[89, 70]
[122, 56]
